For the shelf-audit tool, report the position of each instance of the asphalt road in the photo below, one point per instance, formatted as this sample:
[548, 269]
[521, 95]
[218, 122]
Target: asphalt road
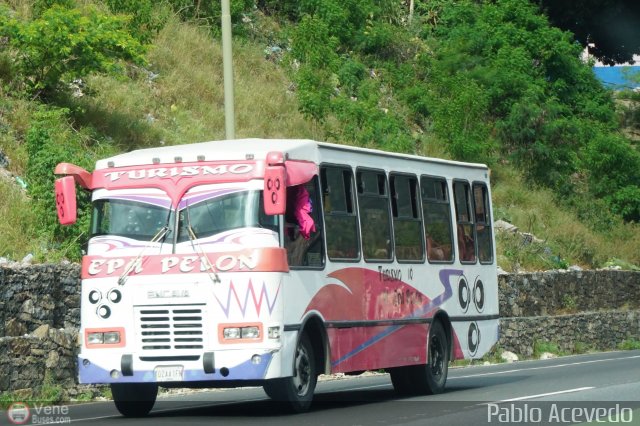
[568, 390]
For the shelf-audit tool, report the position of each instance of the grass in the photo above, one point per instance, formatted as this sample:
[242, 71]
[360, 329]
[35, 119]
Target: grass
[629, 344]
[541, 347]
[18, 227]
[565, 239]
[48, 394]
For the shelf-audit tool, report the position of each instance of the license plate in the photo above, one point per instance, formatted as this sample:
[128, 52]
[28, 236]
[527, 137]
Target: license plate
[169, 373]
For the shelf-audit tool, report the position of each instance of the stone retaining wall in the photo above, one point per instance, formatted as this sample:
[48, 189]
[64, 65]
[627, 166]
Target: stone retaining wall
[554, 293]
[40, 317]
[46, 355]
[35, 295]
[570, 333]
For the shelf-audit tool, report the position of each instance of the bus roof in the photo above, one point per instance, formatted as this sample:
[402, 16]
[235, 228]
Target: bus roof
[241, 149]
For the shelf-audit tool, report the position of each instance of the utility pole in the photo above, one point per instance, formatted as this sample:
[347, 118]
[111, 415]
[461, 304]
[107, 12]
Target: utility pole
[227, 64]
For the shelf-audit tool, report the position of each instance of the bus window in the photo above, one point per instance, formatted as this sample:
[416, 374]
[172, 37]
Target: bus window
[483, 222]
[341, 225]
[373, 208]
[303, 236]
[464, 220]
[437, 219]
[407, 224]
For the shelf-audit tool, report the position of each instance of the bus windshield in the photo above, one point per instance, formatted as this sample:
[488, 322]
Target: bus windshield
[128, 218]
[207, 214]
[224, 212]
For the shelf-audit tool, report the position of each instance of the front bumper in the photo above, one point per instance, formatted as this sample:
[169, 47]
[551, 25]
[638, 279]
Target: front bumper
[223, 365]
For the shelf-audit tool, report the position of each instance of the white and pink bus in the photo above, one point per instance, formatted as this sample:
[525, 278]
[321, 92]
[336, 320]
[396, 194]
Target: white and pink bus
[262, 262]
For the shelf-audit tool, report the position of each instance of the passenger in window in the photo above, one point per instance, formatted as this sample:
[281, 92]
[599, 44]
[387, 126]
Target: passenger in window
[433, 251]
[466, 246]
[300, 228]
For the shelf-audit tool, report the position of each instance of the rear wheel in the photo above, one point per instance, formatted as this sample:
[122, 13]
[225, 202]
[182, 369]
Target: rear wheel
[425, 379]
[134, 399]
[297, 391]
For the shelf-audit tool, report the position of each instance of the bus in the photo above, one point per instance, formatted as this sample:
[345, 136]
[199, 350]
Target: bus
[268, 262]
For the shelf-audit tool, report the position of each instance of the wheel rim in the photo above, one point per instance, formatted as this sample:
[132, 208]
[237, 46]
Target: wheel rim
[302, 374]
[436, 355]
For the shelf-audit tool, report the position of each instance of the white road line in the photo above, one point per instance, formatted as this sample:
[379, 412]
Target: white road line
[540, 368]
[540, 395]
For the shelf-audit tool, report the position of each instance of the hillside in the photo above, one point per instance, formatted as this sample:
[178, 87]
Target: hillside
[366, 74]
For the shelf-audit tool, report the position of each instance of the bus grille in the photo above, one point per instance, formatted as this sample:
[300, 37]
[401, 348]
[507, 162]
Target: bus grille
[170, 327]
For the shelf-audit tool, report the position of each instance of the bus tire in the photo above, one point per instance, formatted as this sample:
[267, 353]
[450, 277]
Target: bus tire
[401, 379]
[426, 379]
[437, 366]
[134, 399]
[296, 392]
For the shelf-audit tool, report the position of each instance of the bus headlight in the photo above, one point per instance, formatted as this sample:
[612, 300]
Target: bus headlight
[111, 337]
[240, 332]
[250, 332]
[232, 333]
[101, 336]
[95, 338]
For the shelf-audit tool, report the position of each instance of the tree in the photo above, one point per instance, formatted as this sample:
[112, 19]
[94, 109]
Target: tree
[64, 43]
[612, 26]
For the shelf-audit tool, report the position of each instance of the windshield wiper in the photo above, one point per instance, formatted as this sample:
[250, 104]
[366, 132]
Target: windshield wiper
[162, 232]
[197, 248]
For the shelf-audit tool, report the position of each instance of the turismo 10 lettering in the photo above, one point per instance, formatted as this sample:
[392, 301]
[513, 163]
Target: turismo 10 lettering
[553, 414]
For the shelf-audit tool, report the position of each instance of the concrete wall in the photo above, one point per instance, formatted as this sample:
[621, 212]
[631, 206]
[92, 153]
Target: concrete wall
[40, 316]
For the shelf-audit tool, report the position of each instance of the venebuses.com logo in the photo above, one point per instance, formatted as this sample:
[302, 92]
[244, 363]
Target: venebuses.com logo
[18, 413]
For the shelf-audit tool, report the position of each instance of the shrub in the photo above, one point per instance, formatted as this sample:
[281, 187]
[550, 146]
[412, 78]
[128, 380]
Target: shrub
[64, 44]
[50, 141]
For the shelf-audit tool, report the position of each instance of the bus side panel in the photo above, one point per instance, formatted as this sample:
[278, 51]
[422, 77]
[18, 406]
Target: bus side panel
[370, 348]
[476, 337]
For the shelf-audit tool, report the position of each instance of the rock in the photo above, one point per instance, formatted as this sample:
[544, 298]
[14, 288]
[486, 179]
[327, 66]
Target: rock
[15, 328]
[20, 346]
[41, 332]
[62, 338]
[53, 360]
[502, 225]
[509, 357]
[27, 307]
[4, 160]
[548, 355]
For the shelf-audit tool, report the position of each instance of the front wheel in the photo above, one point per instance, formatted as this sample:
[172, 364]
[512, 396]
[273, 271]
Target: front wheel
[297, 391]
[134, 399]
[426, 379]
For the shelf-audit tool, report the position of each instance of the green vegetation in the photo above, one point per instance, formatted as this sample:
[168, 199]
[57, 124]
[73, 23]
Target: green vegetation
[540, 347]
[47, 394]
[629, 344]
[476, 81]
[582, 348]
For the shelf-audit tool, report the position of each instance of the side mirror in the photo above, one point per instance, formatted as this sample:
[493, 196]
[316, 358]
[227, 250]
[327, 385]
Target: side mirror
[66, 200]
[275, 185]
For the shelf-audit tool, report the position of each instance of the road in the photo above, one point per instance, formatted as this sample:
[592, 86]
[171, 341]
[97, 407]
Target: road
[564, 390]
